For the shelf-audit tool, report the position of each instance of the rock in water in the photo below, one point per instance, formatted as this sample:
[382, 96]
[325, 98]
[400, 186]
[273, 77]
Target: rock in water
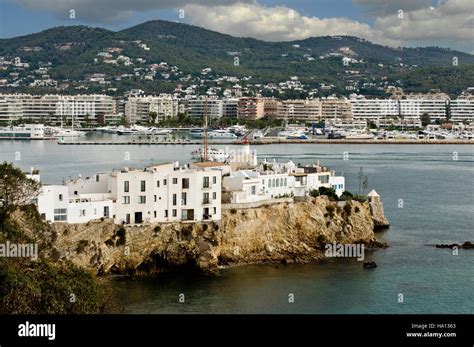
[370, 265]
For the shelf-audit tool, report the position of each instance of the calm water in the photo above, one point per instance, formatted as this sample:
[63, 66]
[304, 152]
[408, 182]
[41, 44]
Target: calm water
[438, 207]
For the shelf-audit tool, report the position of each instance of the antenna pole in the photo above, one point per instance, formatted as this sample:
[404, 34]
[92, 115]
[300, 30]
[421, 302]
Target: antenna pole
[205, 131]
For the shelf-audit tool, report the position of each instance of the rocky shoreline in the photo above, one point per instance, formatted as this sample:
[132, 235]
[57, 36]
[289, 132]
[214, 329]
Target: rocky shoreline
[285, 233]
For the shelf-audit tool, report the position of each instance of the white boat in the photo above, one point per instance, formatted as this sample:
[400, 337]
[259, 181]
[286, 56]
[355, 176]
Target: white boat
[358, 135]
[158, 131]
[25, 132]
[61, 133]
[213, 134]
[297, 135]
[293, 134]
[197, 133]
[221, 134]
[213, 154]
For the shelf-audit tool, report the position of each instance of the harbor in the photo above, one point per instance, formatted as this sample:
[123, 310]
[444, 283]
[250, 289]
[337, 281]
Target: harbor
[269, 141]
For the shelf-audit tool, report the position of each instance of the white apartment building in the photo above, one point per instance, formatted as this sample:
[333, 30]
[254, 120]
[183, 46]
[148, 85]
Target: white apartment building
[229, 107]
[52, 107]
[435, 105]
[197, 107]
[273, 180]
[462, 108]
[305, 110]
[336, 110]
[157, 193]
[138, 108]
[373, 109]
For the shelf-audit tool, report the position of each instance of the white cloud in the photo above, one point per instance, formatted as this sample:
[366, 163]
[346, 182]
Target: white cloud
[106, 11]
[448, 20]
[277, 23]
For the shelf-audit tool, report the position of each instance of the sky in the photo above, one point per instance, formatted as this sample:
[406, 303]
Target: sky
[411, 23]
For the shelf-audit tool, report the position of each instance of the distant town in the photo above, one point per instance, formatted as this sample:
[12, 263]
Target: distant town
[431, 111]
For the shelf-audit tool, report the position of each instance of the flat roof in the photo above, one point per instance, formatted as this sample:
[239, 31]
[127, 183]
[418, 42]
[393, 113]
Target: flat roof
[208, 163]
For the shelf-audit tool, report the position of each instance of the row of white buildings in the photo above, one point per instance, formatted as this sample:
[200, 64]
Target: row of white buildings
[137, 108]
[170, 192]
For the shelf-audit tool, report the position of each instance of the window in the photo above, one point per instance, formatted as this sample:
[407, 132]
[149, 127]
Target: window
[205, 198]
[281, 182]
[253, 190]
[277, 182]
[166, 213]
[60, 197]
[82, 213]
[158, 184]
[185, 183]
[175, 213]
[154, 214]
[142, 199]
[164, 182]
[97, 178]
[175, 180]
[142, 186]
[214, 180]
[60, 211]
[324, 179]
[174, 199]
[286, 182]
[126, 186]
[269, 183]
[214, 196]
[60, 218]
[126, 200]
[154, 197]
[215, 210]
[205, 183]
[184, 199]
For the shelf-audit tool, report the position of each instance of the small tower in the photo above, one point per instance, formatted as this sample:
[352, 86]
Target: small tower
[373, 196]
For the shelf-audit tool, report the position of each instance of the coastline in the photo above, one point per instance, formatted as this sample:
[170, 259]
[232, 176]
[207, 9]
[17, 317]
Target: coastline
[284, 233]
[272, 142]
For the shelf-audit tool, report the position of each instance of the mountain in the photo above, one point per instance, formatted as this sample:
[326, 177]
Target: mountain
[73, 53]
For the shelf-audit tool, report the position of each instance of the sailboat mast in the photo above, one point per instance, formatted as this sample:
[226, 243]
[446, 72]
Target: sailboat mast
[205, 132]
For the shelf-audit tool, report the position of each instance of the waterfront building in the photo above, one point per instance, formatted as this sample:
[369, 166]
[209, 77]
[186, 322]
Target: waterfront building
[138, 108]
[270, 107]
[415, 105]
[158, 193]
[336, 110]
[230, 107]
[373, 109]
[251, 108]
[462, 109]
[55, 108]
[299, 110]
[272, 180]
[198, 107]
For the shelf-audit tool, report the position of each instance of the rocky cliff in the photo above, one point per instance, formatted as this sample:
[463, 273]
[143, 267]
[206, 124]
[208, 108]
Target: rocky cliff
[286, 232]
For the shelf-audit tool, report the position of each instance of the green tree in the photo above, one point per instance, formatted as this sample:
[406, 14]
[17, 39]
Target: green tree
[15, 189]
[425, 119]
[152, 117]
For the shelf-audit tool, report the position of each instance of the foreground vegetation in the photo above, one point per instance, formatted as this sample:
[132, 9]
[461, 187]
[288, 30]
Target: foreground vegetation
[46, 285]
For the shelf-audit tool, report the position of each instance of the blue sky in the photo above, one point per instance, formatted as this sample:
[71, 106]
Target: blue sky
[446, 23]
